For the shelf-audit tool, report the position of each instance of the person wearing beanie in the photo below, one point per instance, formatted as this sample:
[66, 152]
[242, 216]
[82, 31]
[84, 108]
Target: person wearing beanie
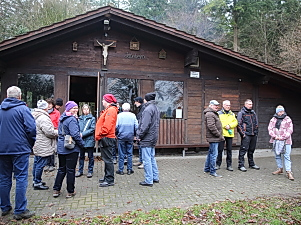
[150, 96]
[139, 103]
[17, 137]
[68, 125]
[280, 129]
[147, 135]
[248, 130]
[54, 116]
[105, 134]
[45, 145]
[58, 103]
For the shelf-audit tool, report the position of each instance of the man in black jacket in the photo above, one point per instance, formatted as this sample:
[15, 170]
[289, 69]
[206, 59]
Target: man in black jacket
[248, 130]
[147, 135]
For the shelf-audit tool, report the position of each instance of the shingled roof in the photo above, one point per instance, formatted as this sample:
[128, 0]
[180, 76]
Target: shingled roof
[33, 36]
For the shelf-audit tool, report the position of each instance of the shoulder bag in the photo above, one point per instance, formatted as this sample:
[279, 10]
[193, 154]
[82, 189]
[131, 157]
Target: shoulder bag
[69, 143]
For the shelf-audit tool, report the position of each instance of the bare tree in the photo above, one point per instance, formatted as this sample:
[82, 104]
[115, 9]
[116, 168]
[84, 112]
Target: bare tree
[290, 46]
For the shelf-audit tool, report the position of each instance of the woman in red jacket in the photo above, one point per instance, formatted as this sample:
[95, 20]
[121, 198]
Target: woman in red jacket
[105, 134]
[54, 116]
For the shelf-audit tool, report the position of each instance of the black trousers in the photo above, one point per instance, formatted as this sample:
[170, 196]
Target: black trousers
[221, 145]
[67, 164]
[248, 145]
[107, 146]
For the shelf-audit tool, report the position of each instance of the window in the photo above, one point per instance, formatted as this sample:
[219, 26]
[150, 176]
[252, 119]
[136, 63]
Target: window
[169, 97]
[124, 90]
[35, 87]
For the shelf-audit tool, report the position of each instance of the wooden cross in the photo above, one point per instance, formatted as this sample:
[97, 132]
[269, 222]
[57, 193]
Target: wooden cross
[105, 44]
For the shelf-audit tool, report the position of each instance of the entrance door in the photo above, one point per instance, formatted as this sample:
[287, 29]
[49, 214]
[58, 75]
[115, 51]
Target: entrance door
[83, 90]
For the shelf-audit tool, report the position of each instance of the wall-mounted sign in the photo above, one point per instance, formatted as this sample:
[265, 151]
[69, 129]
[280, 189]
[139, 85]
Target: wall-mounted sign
[134, 56]
[179, 113]
[194, 74]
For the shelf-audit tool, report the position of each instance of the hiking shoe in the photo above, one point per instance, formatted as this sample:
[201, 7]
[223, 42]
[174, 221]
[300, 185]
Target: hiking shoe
[78, 174]
[70, 195]
[130, 172]
[106, 184]
[56, 194]
[141, 166]
[51, 168]
[243, 169]
[216, 175]
[119, 172]
[143, 183]
[255, 167]
[46, 168]
[7, 212]
[40, 187]
[230, 168]
[89, 175]
[24, 215]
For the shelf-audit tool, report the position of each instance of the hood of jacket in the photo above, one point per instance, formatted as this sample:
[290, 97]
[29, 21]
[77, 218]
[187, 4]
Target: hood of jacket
[210, 110]
[64, 116]
[39, 112]
[9, 103]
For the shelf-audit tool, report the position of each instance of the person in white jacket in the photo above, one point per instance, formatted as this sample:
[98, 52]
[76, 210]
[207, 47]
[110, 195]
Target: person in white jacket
[44, 145]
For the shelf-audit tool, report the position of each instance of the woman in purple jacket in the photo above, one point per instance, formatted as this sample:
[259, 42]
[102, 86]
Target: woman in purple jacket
[68, 125]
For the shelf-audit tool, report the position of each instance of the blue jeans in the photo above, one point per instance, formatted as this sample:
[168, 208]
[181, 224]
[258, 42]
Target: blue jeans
[37, 169]
[90, 151]
[140, 154]
[211, 157]
[19, 165]
[67, 164]
[125, 148]
[287, 158]
[151, 172]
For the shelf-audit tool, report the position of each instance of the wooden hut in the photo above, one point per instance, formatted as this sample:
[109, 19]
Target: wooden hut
[111, 50]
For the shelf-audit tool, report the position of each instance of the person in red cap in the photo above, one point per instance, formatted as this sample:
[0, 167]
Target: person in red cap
[105, 134]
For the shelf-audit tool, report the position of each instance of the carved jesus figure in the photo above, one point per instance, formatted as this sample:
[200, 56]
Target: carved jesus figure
[105, 51]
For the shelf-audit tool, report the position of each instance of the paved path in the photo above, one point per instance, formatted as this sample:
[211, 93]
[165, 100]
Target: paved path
[182, 183]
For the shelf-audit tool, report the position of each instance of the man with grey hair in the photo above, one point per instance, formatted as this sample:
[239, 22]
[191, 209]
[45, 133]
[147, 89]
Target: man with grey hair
[17, 137]
[229, 122]
[248, 130]
[214, 135]
[126, 128]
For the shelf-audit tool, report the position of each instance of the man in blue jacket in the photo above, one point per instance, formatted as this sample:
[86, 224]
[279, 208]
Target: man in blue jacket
[126, 127]
[17, 137]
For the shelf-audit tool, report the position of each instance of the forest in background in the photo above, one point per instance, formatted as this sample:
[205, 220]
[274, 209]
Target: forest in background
[267, 30]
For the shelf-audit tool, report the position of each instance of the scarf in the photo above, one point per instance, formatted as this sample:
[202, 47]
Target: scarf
[279, 120]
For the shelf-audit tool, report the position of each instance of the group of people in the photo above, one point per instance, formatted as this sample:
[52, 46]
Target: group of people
[44, 131]
[220, 127]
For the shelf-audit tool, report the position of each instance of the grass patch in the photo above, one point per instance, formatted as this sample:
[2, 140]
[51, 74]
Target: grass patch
[263, 210]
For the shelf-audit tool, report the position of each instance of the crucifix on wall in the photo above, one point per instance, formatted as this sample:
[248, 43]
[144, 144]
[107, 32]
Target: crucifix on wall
[105, 44]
